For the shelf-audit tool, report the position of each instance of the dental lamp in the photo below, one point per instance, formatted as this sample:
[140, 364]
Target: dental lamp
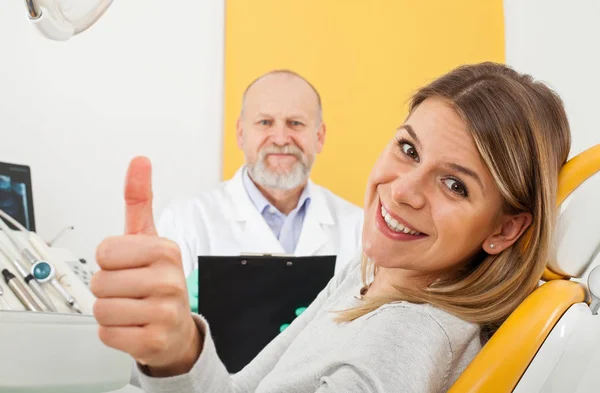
[59, 20]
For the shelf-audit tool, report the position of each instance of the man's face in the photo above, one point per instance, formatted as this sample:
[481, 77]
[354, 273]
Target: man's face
[280, 131]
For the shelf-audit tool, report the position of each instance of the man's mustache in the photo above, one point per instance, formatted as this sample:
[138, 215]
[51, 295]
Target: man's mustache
[285, 149]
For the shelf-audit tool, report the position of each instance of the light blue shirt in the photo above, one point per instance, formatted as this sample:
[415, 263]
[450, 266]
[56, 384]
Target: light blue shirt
[285, 228]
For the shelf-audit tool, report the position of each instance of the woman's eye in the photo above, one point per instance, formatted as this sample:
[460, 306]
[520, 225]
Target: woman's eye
[264, 122]
[456, 187]
[409, 150]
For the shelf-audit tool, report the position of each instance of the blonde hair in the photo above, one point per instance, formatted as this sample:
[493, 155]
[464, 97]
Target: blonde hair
[521, 131]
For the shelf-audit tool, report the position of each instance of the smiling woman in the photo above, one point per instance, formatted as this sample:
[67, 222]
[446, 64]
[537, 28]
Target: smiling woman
[460, 204]
[459, 212]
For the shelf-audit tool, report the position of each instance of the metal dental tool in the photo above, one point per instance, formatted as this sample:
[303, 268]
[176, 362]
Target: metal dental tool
[20, 292]
[44, 272]
[30, 280]
[41, 270]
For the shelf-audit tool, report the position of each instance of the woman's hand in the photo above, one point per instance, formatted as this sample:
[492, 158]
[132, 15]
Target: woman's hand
[142, 305]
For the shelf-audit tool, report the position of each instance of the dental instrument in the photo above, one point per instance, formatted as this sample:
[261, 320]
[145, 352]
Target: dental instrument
[41, 270]
[29, 280]
[20, 291]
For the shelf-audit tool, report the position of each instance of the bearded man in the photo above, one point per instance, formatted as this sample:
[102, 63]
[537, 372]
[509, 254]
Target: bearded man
[270, 206]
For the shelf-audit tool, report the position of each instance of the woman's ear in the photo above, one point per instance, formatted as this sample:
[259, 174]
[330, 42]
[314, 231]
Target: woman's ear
[510, 230]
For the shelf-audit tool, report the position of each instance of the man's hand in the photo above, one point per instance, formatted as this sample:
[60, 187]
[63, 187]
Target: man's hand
[142, 304]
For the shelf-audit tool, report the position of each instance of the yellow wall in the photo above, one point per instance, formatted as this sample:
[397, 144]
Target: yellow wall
[364, 56]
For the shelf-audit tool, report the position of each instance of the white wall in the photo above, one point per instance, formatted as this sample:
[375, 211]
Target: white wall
[557, 41]
[146, 79]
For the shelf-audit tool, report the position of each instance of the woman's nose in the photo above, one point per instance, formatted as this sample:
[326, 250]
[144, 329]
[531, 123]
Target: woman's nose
[408, 189]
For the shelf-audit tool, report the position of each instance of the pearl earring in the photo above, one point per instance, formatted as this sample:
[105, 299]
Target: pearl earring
[492, 245]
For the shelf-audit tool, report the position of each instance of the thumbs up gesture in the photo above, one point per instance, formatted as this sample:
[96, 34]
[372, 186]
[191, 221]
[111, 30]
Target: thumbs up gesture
[142, 305]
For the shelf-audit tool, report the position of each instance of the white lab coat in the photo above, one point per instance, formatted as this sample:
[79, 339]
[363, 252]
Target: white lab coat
[224, 221]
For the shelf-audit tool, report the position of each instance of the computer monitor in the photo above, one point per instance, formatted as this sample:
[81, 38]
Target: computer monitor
[16, 194]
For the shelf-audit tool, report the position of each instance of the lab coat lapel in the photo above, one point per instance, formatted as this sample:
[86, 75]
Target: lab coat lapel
[254, 233]
[313, 235]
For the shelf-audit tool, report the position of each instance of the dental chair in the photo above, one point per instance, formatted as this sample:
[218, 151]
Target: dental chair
[551, 342]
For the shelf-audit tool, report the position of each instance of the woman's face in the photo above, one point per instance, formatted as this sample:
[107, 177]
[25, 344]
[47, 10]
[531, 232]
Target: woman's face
[431, 202]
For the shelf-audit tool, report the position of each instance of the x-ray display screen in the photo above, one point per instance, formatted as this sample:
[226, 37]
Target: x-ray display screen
[16, 195]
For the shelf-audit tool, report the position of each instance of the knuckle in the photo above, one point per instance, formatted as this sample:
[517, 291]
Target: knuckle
[104, 335]
[156, 342]
[180, 290]
[157, 249]
[96, 284]
[101, 311]
[108, 337]
[171, 251]
[103, 251]
[172, 284]
[168, 312]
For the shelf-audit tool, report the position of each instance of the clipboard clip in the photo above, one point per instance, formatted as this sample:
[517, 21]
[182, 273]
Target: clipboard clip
[259, 254]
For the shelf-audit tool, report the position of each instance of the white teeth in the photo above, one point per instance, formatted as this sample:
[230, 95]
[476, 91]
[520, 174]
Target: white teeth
[394, 225]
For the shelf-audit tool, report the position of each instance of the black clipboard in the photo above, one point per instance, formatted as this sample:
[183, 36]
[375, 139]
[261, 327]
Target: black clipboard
[247, 299]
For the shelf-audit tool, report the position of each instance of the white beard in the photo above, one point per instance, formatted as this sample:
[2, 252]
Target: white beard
[262, 174]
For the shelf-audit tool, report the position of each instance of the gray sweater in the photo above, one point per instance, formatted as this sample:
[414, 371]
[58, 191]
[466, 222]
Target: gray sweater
[400, 347]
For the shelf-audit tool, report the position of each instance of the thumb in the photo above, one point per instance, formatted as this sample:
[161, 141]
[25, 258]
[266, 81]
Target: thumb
[138, 198]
